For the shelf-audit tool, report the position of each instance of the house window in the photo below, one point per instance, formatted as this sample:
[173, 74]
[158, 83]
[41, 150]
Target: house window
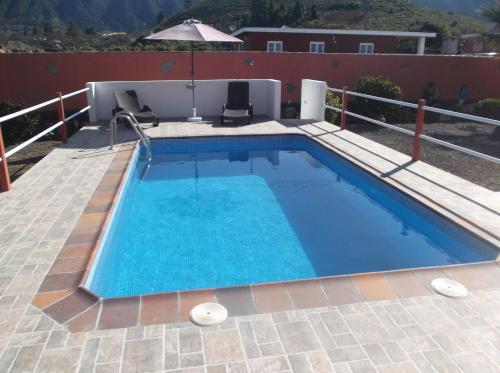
[275, 46]
[317, 47]
[366, 48]
[478, 46]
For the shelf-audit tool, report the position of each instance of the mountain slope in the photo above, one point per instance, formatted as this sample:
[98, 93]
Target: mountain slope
[468, 7]
[116, 15]
[358, 14]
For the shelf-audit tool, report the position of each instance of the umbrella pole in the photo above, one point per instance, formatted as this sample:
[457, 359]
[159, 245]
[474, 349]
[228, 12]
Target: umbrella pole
[194, 118]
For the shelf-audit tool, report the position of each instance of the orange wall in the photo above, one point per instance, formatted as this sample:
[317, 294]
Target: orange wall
[32, 78]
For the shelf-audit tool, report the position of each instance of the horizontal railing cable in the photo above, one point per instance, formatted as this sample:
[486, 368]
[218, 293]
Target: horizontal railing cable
[460, 148]
[39, 106]
[43, 133]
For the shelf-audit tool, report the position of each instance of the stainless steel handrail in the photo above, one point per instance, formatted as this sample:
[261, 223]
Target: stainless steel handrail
[145, 140]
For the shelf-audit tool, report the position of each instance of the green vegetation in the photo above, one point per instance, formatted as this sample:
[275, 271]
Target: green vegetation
[20, 128]
[381, 87]
[115, 15]
[230, 15]
[334, 100]
[490, 102]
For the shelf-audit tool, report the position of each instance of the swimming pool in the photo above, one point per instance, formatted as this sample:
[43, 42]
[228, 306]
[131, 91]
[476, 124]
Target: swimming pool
[227, 211]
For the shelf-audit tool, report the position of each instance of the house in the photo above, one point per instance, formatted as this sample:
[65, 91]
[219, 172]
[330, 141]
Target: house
[287, 39]
[475, 43]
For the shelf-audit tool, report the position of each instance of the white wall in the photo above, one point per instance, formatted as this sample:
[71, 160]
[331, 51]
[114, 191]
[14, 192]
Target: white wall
[313, 100]
[172, 98]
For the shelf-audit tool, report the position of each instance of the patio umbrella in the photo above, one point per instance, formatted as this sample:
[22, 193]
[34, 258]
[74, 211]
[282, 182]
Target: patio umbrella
[194, 31]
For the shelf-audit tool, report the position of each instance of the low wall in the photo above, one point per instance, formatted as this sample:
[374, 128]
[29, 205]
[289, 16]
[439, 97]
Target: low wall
[173, 98]
[33, 78]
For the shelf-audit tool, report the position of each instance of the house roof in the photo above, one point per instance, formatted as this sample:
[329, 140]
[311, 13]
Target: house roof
[291, 30]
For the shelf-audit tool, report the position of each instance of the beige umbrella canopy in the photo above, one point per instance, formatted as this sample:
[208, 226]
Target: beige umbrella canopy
[194, 31]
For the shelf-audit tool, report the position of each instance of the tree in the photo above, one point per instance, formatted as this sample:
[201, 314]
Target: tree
[160, 17]
[35, 30]
[313, 12]
[492, 12]
[297, 16]
[258, 12]
[271, 13]
[188, 4]
[90, 31]
[47, 28]
[281, 14]
[73, 31]
[441, 30]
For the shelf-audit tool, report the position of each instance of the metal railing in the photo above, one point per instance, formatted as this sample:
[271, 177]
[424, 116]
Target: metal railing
[134, 123]
[5, 184]
[418, 132]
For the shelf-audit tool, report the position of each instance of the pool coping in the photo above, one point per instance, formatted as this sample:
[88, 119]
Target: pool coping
[63, 296]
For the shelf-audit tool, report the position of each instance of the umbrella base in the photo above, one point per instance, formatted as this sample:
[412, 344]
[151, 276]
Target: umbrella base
[194, 119]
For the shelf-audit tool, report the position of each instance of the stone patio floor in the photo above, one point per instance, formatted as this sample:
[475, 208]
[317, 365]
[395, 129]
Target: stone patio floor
[416, 334]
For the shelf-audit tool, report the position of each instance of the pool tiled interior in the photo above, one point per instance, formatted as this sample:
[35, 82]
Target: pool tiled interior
[51, 224]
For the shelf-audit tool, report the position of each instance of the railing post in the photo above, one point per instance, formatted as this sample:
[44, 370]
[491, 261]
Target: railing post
[60, 113]
[4, 171]
[344, 108]
[418, 130]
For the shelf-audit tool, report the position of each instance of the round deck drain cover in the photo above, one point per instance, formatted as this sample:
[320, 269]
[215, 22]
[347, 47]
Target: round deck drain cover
[449, 288]
[208, 314]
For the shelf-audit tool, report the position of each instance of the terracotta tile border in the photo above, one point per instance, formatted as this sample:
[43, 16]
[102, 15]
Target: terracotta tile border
[62, 295]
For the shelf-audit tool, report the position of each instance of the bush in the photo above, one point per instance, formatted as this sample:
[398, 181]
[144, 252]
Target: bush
[18, 129]
[381, 87]
[490, 102]
[333, 100]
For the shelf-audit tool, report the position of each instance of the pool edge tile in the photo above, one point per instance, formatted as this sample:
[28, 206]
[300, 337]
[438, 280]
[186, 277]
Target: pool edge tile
[119, 313]
[307, 294]
[238, 300]
[271, 297]
[373, 286]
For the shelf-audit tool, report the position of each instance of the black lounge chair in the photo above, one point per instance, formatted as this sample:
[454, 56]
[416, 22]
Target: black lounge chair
[238, 102]
[127, 101]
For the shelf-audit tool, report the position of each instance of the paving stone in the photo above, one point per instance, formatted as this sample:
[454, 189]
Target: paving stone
[366, 328]
[171, 349]
[222, 346]
[300, 363]
[343, 354]
[192, 359]
[142, 356]
[271, 364]
[264, 331]
[59, 360]
[362, 366]
[271, 349]
[110, 349]
[190, 340]
[108, 368]
[321, 331]
[297, 336]
[27, 358]
[405, 367]
[376, 354]
[335, 322]
[319, 361]
[89, 355]
[249, 341]
[475, 362]
[441, 362]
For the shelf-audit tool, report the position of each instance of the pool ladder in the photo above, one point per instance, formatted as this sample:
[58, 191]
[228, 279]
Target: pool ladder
[145, 139]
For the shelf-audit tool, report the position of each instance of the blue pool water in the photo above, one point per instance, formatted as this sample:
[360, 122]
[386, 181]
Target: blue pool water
[216, 212]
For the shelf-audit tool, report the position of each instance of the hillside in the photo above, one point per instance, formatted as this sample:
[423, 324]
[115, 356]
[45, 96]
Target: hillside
[115, 15]
[358, 14]
[468, 7]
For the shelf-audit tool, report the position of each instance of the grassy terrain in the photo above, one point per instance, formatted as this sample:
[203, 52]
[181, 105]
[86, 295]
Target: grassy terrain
[359, 14]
